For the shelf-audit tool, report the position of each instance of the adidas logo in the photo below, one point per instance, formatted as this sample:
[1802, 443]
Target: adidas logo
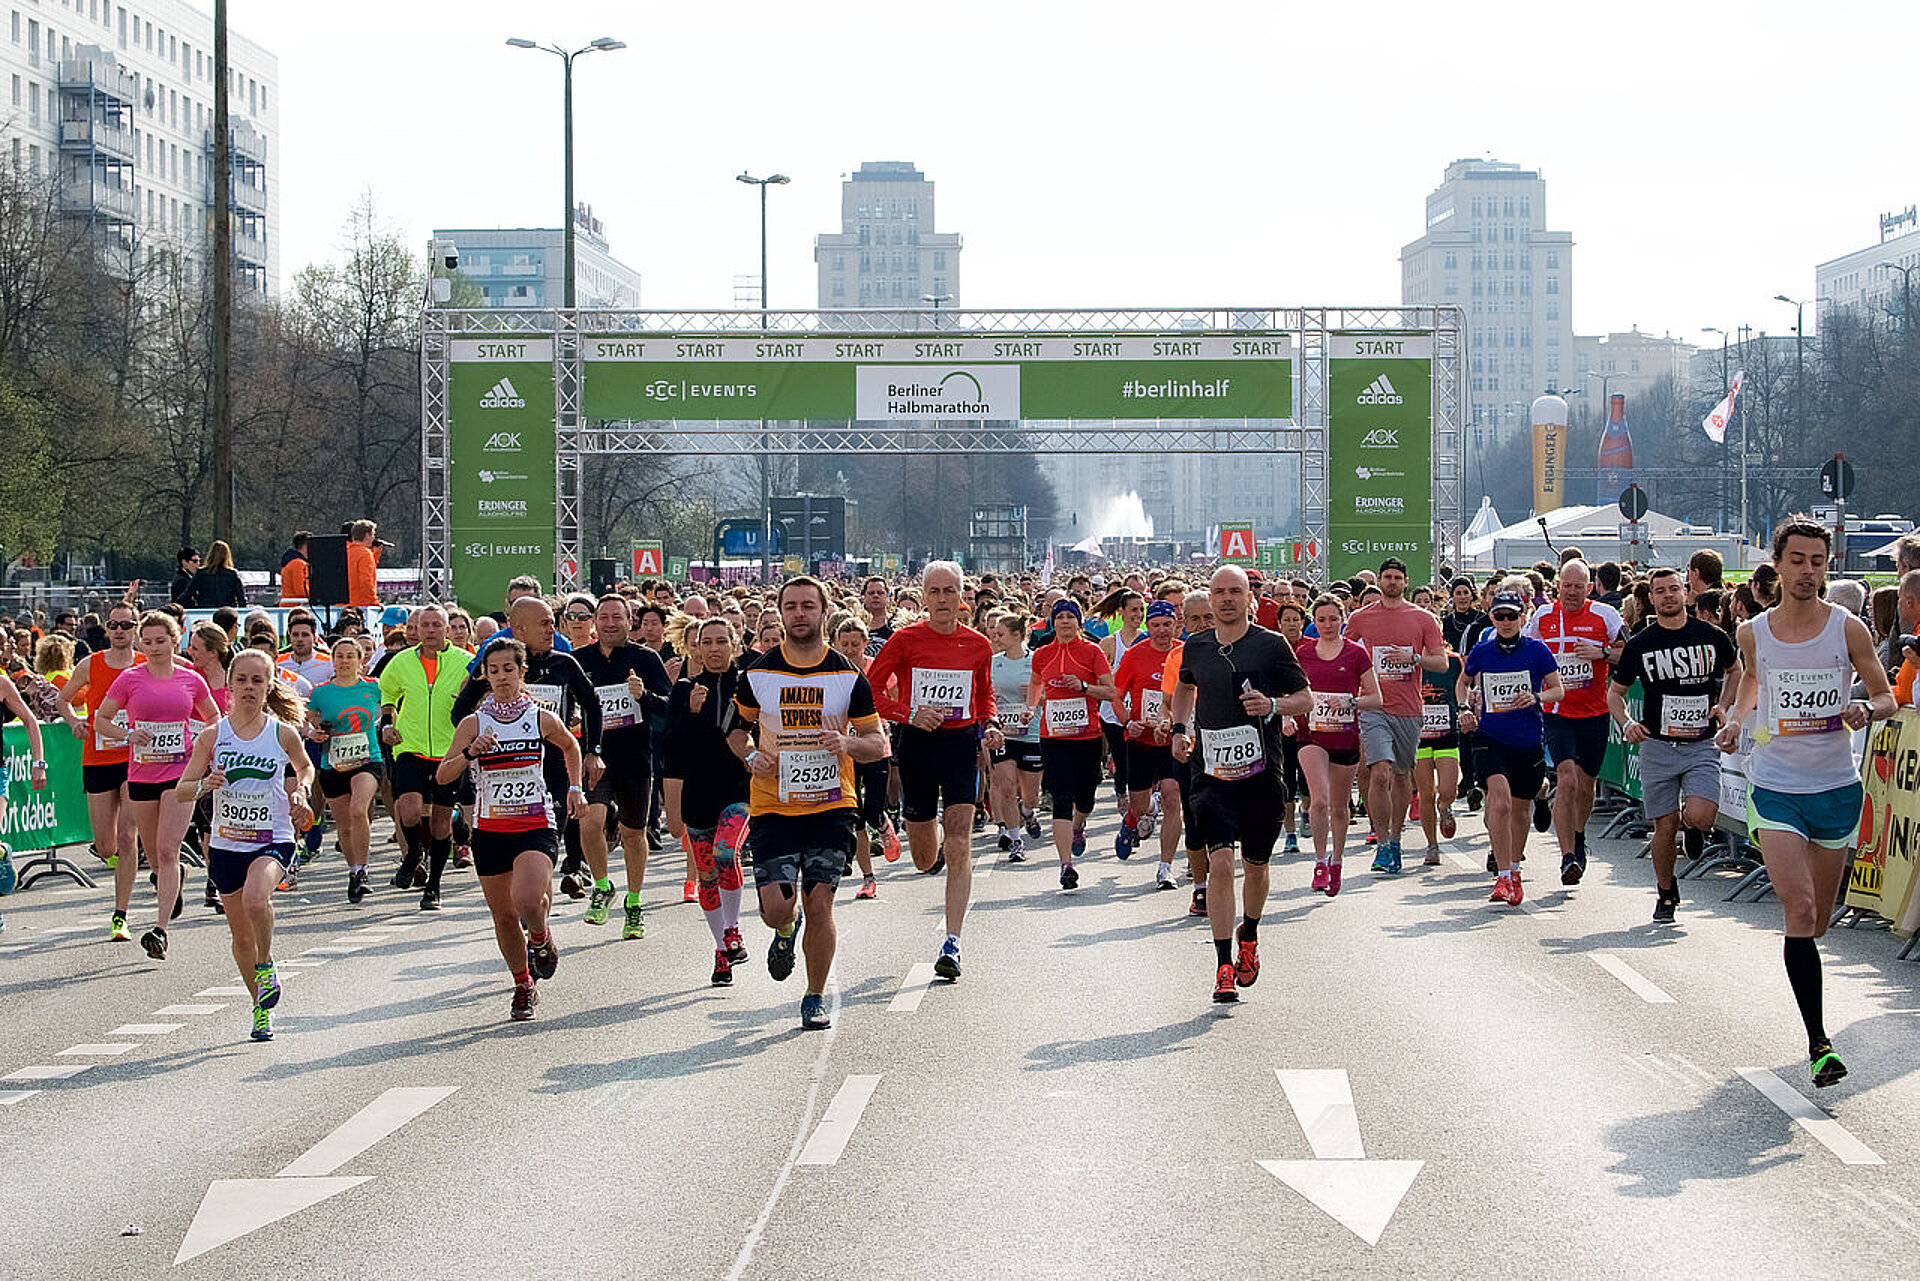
[1379, 392]
[503, 396]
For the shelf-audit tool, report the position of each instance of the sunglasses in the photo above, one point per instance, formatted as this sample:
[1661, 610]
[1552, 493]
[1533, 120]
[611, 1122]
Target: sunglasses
[119, 627]
[1498, 615]
[578, 618]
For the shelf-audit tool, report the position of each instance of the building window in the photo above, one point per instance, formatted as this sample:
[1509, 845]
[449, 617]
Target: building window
[16, 91]
[1553, 284]
[33, 102]
[939, 260]
[1553, 260]
[1452, 260]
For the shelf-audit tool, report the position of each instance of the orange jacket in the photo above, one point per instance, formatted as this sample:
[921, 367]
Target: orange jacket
[363, 586]
[293, 581]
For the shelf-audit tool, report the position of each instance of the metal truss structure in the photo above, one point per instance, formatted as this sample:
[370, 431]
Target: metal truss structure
[1304, 434]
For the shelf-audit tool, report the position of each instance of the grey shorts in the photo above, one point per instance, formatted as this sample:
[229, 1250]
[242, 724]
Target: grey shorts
[801, 849]
[1389, 738]
[1669, 769]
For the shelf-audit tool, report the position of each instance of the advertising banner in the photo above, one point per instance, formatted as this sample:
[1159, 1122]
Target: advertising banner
[500, 466]
[1882, 878]
[55, 815]
[1380, 453]
[649, 559]
[1237, 543]
[1550, 432]
[1281, 553]
[677, 568]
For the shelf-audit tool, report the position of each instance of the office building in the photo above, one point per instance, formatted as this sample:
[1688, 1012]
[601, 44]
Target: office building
[113, 103]
[526, 266]
[1628, 364]
[1872, 280]
[887, 253]
[1487, 250]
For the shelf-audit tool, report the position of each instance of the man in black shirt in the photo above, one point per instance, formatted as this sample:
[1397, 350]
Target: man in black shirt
[1237, 680]
[630, 683]
[1689, 674]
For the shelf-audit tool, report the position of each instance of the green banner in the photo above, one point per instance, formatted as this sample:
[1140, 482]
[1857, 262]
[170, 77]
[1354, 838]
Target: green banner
[1620, 768]
[500, 480]
[677, 568]
[1380, 453]
[55, 815]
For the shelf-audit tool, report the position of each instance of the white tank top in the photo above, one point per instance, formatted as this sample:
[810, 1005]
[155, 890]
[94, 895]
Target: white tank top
[1119, 652]
[1800, 744]
[251, 811]
[510, 787]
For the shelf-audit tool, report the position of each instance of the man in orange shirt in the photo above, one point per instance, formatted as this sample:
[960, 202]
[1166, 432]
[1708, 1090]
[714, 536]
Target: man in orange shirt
[363, 560]
[294, 581]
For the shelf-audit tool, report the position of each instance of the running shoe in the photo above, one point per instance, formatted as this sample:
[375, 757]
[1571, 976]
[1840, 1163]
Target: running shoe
[1664, 901]
[1826, 1066]
[813, 1013]
[939, 864]
[979, 820]
[117, 931]
[212, 899]
[596, 913]
[155, 942]
[463, 857]
[1432, 857]
[1292, 844]
[1373, 838]
[1492, 866]
[1198, 907]
[1695, 842]
[1333, 879]
[525, 997]
[429, 900]
[403, 875]
[1069, 877]
[635, 927]
[180, 899]
[1382, 860]
[1079, 841]
[735, 945]
[846, 868]
[1514, 893]
[544, 959]
[780, 953]
[1246, 965]
[290, 875]
[1017, 851]
[1570, 869]
[1542, 813]
[868, 889]
[266, 986]
[890, 843]
[262, 1025]
[1122, 843]
[1163, 878]
[1224, 991]
[722, 968]
[1474, 797]
[1320, 876]
[1448, 825]
[689, 893]
[356, 884]
[573, 885]
[1033, 824]
[1006, 838]
[947, 964]
[1499, 894]
[1395, 868]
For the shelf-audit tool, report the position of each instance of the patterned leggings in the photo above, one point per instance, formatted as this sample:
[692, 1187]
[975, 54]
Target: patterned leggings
[716, 855]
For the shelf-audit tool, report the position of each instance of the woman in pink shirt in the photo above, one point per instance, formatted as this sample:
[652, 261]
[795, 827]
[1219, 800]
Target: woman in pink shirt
[160, 696]
[1341, 675]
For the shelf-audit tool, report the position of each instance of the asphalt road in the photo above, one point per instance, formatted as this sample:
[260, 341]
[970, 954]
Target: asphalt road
[1438, 1087]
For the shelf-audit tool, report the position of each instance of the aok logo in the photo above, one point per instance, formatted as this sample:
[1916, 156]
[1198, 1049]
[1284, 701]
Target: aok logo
[1381, 438]
[502, 442]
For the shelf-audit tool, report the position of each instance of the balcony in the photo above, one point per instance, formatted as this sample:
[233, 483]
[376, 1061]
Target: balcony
[245, 145]
[98, 75]
[103, 136]
[248, 198]
[98, 199]
[249, 247]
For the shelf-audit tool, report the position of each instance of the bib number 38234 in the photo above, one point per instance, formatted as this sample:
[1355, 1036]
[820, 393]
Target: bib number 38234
[1233, 753]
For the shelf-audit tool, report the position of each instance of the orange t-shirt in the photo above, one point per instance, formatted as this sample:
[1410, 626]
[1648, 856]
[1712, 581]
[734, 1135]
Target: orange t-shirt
[293, 581]
[363, 584]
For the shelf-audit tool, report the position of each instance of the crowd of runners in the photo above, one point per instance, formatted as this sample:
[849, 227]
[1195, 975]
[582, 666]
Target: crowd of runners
[796, 732]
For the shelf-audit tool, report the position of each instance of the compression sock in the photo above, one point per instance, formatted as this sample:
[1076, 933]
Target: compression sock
[1250, 928]
[440, 851]
[729, 906]
[1802, 956]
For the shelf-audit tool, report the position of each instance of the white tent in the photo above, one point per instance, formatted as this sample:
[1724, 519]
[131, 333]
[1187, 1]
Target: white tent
[1593, 529]
[1486, 521]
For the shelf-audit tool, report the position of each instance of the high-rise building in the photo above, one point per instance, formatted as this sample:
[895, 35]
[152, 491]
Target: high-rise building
[1629, 364]
[1487, 250]
[526, 266]
[886, 253]
[1872, 280]
[114, 104]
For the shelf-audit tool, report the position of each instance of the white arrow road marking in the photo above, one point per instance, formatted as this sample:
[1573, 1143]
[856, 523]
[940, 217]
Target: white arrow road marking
[1835, 1137]
[365, 1128]
[1636, 982]
[1322, 1101]
[836, 1126]
[1360, 1195]
[234, 1207]
[912, 989]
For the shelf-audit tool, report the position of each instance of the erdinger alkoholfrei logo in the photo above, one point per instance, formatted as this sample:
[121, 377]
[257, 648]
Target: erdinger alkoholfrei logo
[502, 396]
[1380, 392]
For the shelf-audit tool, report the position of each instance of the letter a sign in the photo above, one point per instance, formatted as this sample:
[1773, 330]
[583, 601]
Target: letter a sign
[649, 559]
[1237, 543]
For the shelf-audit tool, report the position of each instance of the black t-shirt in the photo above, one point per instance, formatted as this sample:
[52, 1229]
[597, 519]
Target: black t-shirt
[1221, 673]
[631, 741]
[1455, 628]
[877, 637]
[557, 682]
[1680, 670]
[696, 751]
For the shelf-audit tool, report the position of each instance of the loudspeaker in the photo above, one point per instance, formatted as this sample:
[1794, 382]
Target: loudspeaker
[327, 569]
[602, 573]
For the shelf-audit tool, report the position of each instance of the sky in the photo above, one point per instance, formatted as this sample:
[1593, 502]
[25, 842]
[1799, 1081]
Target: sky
[1704, 155]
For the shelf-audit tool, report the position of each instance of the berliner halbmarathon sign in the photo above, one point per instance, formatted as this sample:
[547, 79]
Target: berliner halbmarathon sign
[1380, 452]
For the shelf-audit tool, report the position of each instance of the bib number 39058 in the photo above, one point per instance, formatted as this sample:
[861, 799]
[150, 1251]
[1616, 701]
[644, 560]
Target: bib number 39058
[242, 819]
[1233, 753]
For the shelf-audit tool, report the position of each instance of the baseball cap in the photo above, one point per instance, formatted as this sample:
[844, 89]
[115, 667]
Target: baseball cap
[1507, 601]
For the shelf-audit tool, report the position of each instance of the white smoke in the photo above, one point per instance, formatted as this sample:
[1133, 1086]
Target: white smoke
[1121, 516]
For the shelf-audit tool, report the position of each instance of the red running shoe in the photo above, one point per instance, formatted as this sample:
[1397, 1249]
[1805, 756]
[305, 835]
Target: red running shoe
[1246, 969]
[1223, 989]
[890, 844]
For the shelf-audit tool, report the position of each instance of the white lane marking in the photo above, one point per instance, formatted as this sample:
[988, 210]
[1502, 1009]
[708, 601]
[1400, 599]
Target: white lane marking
[364, 1128]
[68, 929]
[295, 962]
[1462, 860]
[234, 1207]
[47, 1072]
[355, 939]
[145, 1029]
[15, 947]
[97, 1049]
[188, 1009]
[329, 949]
[1835, 1137]
[836, 1127]
[1636, 982]
[1359, 1195]
[10, 1097]
[1322, 1102]
[912, 989]
[1696, 1069]
[233, 990]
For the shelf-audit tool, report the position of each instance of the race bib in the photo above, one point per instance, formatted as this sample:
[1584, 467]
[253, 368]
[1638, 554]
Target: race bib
[1233, 753]
[949, 690]
[348, 751]
[1151, 701]
[1575, 672]
[809, 775]
[1685, 716]
[104, 745]
[1393, 662]
[1436, 720]
[1332, 713]
[515, 792]
[1013, 717]
[1805, 700]
[548, 696]
[169, 745]
[242, 820]
[617, 708]
[1067, 717]
[1503, 691]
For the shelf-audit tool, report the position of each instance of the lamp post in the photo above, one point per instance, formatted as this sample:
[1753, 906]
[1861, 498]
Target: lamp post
[766, 484]
[1906, 295]
[1799, 306]
[605, 44]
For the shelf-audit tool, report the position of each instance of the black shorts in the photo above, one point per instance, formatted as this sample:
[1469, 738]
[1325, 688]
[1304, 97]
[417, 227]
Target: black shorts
[1580, 739]
[336, 784]
[870, 785]
[1245, 812]
[627, 785]
[1023, 752]
[228, 869]
[1337, 755]
[1070, 772]
[801, 849]
[98, 779]
[494, 852]
[414, 776]
[937, 763]
[1524, 768]
[151, 791]
[1148, 766]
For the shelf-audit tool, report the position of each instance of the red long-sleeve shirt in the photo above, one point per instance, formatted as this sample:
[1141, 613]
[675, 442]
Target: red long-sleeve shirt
[954, 671]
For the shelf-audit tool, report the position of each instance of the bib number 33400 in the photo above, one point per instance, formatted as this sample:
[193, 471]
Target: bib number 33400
[1233, 753]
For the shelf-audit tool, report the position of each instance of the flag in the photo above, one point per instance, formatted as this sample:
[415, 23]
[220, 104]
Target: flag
[1715, 423]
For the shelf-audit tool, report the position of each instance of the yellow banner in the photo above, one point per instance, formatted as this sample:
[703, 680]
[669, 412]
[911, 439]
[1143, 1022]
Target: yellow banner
[1549, 466]
[1882, 879]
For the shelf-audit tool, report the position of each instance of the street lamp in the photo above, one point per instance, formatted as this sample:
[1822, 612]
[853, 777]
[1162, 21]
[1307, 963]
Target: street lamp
[1726, 384]
[1906, 280]
[766, 490]
[605, 44]
[1799, 306]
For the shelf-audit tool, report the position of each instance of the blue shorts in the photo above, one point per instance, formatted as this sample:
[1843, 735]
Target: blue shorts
[228, 869]
[1830, 820]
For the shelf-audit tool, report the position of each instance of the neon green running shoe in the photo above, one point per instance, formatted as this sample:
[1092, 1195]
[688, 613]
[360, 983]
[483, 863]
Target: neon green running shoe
[597, 905]
[262, 1024]
[1826, 1065]
[635, 928]
[267, 986]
